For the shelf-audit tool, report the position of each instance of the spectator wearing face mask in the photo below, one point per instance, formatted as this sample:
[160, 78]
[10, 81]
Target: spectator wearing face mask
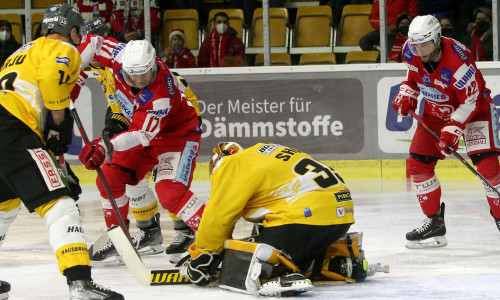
[178, 56]
[403, 24]
[222, 47]
[480, 40]
[8, 43]
[449, 27]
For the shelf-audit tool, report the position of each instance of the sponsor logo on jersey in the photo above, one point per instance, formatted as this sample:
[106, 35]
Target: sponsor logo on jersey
[426, 79]
[462, 82]
[63, 60]
[407, 53]
[307, 212]
[460, 52]
[268, 149]
[161, 107]
[144, 96]
[170, 85]
[431, 93]
[340, 212]
[118, 49]
[411, 67]
[439, 83]
[342, 196]
[446, 75]
[47, 168]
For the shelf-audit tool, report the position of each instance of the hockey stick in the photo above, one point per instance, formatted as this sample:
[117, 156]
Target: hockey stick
[458, 156]
[99, 172]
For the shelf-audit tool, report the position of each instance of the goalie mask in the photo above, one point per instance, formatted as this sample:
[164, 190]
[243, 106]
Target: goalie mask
[424, 35]
[139, 63]
[223, 149]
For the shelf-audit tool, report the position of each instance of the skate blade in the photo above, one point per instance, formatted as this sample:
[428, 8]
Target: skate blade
[4, 296]
[434, 242]
[295, 289]
[150, 250]
[108, 262]
[174, 258]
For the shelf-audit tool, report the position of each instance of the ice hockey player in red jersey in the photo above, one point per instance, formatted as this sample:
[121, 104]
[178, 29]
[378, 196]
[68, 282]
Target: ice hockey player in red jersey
[164, 130]
[457, 103]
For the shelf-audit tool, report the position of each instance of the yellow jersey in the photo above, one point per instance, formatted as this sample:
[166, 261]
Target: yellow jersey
[275, 185]
[39, 77]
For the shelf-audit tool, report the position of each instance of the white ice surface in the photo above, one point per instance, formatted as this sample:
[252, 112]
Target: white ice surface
[468, 268]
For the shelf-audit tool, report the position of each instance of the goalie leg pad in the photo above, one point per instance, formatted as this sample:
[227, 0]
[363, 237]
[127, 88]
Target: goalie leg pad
[143, 203]
[8, 213]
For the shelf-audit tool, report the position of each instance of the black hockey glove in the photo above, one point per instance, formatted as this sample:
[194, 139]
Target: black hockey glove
[201, 270]
[115, 123]
[59, 137]
[74, 183]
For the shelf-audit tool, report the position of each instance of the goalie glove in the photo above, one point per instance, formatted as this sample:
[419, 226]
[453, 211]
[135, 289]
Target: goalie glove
[115, 123]
[405, 99]
[94, 154]
[58, 137]
[201, 270]
[450, 136]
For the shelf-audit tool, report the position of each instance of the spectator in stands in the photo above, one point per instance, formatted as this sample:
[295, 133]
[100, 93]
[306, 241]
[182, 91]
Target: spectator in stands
[222, 47]
[480, 37]
[394, 9]
[89, 9]
[8, 43]
[127, 20]
[403, 24]
[178, 56]
[449, 27]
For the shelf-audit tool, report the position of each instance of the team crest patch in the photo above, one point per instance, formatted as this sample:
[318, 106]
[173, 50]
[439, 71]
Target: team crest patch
[426, 80]
[460, 52]
[63, 60]
[145, 96]
[446, 75]
[407, 54]
[170, 85]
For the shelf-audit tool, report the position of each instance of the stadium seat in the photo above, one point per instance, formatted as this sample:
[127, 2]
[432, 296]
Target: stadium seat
[36, 21]
[278, 27]
[354, 24]
[185, 19]
[17, 25]
[317, 59]
[236, 21]
[362, 57]
[11, 4]
[45, 3]
[313, 30]
[277, 59]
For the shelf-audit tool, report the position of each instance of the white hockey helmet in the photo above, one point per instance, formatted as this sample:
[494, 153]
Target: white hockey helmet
[139, 57]
[423, 29]
[223, 149]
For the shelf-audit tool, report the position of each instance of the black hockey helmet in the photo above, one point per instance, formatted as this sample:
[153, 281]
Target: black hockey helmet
[61, 18]
[95, 26]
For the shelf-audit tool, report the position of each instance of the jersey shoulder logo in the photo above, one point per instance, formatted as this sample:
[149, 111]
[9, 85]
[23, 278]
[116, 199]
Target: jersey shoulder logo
[63, 60]
[407, 53]
[170, 85]
[460, 52]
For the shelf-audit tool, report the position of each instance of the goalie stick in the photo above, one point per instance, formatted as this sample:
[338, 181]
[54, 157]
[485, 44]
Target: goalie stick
[458, 156]
[149, 277]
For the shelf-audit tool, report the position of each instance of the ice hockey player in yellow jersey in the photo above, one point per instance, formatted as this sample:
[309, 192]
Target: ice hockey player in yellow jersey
[35, 82]
[304, 207]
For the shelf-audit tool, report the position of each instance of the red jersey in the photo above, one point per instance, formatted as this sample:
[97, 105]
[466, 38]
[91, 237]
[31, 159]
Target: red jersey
[455, 89]
[161, 112]
[95, 8]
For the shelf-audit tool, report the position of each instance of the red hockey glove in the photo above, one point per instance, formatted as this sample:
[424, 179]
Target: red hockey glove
[405, 99]
[450, 135]
[93, 154]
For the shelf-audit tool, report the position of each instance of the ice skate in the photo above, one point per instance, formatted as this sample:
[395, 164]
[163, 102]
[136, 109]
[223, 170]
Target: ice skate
[178, 249]
[497, 221]
[88, 290]
[4, 290]
[430, 234]
[148, 240]
[285, 286]
[105, 255]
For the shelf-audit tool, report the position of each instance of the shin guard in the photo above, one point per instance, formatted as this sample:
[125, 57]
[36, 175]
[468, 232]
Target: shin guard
[8, 213]
[110, 216]
[427, 185]
[142, 201]
[489, 167]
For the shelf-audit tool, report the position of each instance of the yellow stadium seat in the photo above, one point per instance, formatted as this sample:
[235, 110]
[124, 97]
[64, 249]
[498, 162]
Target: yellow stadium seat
[185, 19]
[17, 25]
[277, 59]
[317, 59]
[362, 57]
[36, 21]
[45, 3]
[314, 28]
[236, 21]
[278, 27]
[11, 4]
[354, 24]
